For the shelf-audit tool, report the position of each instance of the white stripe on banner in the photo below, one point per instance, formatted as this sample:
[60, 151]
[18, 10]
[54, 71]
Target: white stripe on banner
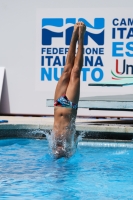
[2, 70]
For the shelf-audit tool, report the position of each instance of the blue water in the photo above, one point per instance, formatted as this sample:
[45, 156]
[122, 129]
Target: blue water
[28, 172]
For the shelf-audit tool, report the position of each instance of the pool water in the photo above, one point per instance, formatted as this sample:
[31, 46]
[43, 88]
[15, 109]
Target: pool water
[28, 172]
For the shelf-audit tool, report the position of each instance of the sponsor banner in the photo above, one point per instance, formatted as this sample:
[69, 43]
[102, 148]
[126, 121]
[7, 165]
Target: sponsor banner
[108, 45]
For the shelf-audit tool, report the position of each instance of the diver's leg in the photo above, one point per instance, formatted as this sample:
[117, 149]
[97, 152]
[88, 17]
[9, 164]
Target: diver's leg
[65, 77]
[73, 89]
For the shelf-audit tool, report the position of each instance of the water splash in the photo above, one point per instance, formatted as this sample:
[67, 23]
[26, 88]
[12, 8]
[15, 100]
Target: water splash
[62, 146]
[81, 135]
[65, 143]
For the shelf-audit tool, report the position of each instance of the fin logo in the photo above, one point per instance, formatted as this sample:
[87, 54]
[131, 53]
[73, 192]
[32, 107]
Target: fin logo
[54, 28]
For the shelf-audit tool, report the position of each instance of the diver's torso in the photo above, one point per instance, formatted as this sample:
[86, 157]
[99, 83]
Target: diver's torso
[64, 119]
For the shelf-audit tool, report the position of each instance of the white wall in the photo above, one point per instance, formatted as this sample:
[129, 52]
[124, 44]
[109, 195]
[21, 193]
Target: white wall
[18, 51]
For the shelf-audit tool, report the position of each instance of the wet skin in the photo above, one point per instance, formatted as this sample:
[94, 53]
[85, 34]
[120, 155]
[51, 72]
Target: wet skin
[64, 130]
[63, 118]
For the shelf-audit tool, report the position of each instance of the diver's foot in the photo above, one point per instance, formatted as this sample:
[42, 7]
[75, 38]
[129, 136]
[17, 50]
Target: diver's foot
[82, 29]
[76, 30]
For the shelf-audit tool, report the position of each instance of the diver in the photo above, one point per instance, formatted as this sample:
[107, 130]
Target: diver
[67, 96]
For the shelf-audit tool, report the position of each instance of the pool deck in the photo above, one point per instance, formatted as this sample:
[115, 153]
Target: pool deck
[19, 126]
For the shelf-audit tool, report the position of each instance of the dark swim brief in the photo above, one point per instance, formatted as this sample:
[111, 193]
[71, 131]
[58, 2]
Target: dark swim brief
[63, 101]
